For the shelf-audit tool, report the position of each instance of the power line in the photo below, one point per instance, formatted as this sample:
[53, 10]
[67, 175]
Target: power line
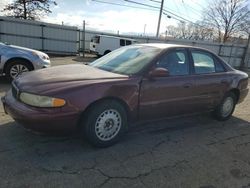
[187, 14]
[117, 4]
[194, 10]
[166, 12]
[177, 7]
[154, 1]
[134, 2]
[152, 8]
[198, 4]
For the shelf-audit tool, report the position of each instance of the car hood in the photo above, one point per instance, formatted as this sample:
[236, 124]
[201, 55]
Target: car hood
[61, 75]
[25, 50]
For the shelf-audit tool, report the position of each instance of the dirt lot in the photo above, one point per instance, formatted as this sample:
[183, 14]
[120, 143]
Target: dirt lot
[186, 152]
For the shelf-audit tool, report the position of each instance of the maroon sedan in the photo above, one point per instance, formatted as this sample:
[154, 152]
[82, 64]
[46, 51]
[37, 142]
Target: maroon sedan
[137, 82]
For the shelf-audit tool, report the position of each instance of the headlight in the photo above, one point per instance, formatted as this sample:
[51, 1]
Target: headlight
[41, 101]
[41, 56]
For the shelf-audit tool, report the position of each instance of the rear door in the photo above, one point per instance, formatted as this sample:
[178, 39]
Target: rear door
[211, 79]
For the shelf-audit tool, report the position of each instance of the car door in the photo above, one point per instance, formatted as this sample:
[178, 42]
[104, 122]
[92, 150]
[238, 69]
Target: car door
[171, 95]
[211, 80]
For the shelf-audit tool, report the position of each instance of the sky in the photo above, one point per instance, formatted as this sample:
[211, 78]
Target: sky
[123, 19]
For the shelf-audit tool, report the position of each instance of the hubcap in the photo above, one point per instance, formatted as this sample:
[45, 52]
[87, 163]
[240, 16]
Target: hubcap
[227, 106]
[108, 125]
[18, 69]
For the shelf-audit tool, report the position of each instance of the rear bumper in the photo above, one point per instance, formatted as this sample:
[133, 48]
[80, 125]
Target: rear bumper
[243, 94]
[39, 119]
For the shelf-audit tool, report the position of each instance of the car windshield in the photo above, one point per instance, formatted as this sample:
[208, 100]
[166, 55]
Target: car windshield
[127, 60]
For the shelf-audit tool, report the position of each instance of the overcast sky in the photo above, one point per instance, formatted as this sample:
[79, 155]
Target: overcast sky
[113, 18]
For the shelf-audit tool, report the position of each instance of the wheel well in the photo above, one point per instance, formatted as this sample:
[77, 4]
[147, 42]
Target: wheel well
[16, 59]
[106, 52]
[236, 92]
[85, 112]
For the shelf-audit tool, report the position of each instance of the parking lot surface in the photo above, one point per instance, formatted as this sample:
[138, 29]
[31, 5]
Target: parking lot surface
[194, 151]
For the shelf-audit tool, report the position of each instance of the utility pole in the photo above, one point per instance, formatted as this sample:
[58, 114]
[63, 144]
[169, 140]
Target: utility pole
[159, 20]
[144, 31]
[83, 38]
[245, 58]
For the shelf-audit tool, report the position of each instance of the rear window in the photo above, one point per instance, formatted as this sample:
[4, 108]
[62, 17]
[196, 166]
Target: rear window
[203, 62]
[122, 42]
[128, 42]
[218, 65]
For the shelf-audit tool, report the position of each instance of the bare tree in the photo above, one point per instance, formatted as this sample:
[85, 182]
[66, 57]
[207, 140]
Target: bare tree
[28, 9]
[227, 17]
[191, 31]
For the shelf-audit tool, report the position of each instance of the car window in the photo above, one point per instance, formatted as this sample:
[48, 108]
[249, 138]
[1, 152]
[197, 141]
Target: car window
[122, 42]
[128, 42]
[175, 61]
[218, 66]
[203, 62]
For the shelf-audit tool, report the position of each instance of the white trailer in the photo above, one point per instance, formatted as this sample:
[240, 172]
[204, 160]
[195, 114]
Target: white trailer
[103, 44]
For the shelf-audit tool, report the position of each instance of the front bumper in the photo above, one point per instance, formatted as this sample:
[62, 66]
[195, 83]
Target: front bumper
[40, 64]
[40, 119]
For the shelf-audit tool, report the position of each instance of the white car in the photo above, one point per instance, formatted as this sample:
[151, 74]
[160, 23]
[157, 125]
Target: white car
[14, 60]
[103, 44]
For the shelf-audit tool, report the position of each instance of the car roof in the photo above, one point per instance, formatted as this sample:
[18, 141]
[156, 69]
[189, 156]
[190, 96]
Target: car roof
[108, 36]
[165, 46]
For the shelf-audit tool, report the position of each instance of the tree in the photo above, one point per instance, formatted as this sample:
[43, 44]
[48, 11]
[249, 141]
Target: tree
[191, 31]
[227, 17]
[28, 9]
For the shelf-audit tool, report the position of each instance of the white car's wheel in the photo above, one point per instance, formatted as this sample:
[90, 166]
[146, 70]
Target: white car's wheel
[16, 68]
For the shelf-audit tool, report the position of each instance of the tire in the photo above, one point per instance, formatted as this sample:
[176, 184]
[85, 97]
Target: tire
[17, 67]
[104, 124]
[106, 52]
[226, 108]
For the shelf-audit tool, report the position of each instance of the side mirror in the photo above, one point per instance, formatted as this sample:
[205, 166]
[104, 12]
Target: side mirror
[159, 72]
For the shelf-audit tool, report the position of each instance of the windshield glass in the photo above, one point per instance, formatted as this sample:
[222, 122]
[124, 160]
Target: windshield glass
[127, 60]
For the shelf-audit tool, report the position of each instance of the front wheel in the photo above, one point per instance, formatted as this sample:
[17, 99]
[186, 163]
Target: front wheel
[105, 123]
[16, 68]
[226, 108]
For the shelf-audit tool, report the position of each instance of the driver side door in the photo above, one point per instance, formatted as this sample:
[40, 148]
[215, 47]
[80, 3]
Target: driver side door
[171, 95]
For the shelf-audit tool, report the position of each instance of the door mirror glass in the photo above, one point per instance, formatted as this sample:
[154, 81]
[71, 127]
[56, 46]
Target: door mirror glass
[159, 72]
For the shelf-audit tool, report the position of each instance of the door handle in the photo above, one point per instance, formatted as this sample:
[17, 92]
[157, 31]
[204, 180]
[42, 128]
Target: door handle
[187, 85]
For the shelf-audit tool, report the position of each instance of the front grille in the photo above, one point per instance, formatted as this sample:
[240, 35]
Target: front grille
[15, 91]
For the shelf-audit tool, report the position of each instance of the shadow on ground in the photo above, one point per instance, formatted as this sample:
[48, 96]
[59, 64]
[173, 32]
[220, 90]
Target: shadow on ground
[5, 85]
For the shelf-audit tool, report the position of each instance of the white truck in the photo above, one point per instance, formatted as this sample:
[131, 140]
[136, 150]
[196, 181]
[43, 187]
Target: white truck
[103, 44]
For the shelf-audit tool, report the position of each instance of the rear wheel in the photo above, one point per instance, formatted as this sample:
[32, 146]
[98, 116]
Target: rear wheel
[16, 68]
[105, 123]
[106, 52]
[226, 108]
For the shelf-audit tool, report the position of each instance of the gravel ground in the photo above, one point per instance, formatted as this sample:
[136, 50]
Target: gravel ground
[190, 152]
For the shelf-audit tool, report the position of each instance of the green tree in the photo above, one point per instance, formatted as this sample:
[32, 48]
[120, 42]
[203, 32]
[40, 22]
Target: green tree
[29, 9]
